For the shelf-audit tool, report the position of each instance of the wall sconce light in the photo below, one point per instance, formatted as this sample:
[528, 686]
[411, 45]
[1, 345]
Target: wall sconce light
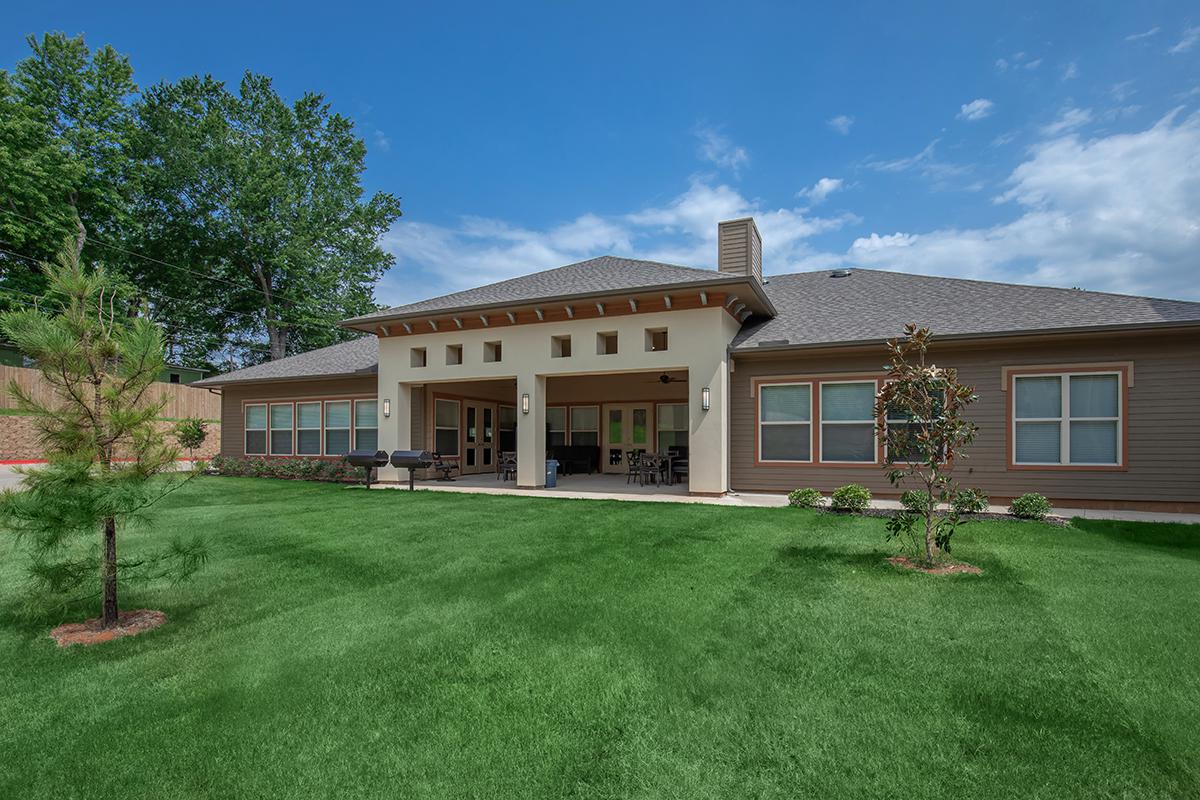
[704, 402]
[387, 407]
[525, 403]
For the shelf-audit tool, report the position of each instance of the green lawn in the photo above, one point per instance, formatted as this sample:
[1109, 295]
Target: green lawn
[342, 643]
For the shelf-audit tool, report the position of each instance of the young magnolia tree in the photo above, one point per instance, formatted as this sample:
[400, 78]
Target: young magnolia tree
[920, 413]
[106, 455]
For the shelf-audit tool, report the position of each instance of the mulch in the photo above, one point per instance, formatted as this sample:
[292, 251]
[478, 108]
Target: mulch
[92, 631]
[947, 568]
[1060, 522]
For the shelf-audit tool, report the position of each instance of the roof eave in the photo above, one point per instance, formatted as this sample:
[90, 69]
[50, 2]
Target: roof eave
[370, 322]
[1137, 326]
[215, 382]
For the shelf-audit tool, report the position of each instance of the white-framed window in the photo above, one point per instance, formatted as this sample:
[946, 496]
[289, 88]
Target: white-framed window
[281, 429]
[672, 426]
[308, 429]
[256, 429]
[902, 420]
[585, 425]
[337, 427]
[1067, 419]
[446, 415]
[785, 422]
[366, 425]
[848, 422]
[556, 426]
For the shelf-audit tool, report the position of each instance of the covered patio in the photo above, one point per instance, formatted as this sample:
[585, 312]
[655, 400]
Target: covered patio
[621, 432]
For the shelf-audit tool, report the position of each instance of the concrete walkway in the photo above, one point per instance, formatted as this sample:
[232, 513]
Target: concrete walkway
[614, 487]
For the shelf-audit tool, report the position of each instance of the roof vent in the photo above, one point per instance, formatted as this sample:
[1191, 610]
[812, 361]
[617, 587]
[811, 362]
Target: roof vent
[840, 273]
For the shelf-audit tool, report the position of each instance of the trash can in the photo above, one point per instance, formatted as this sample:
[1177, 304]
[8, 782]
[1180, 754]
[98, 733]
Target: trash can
[551, 473]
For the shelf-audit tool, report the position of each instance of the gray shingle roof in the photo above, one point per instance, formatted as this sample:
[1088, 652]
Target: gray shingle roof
[358, 356]
[872, 305]
[594, 276]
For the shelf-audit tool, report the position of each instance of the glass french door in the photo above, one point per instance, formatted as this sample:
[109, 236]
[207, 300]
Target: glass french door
[627, 426]
[479, 437]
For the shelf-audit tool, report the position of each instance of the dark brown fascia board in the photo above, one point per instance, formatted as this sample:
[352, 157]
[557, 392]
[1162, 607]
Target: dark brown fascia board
[215, 382]
[1140, 327]
[370, 323]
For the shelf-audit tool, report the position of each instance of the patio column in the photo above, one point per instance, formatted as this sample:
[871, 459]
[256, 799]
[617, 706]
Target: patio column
[395, 430]
[531, 432]
[708, 441]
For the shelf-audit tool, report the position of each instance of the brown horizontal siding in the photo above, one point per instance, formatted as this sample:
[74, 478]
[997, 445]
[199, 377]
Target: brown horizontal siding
[233, 398]
[1162, 458]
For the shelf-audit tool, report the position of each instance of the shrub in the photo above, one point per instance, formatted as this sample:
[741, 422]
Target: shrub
[191, 433]
[915, 501]
[850, 497]
[970, 501]
[1030, 506]
[805, 498]
[304, 469]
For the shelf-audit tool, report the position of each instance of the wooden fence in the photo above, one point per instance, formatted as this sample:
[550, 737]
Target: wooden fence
[182, 400]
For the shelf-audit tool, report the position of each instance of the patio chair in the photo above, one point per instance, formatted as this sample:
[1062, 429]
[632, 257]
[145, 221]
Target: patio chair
[651, 468]
[679, 469]
[633, 460]
[508, 466]
[443, 466]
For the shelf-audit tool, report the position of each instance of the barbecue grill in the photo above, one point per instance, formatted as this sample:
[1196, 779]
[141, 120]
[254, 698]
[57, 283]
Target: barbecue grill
[411, 460]
[368, 460]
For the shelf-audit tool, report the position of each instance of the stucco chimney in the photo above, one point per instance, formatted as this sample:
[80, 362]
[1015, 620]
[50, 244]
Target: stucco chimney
[739, 248]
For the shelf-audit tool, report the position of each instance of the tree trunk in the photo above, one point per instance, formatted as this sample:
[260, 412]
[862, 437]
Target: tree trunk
[111, 610]
[277, 337]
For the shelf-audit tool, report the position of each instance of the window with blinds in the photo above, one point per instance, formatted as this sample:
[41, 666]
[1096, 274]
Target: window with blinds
[1067, 419]
[785, 422]
[848, 422]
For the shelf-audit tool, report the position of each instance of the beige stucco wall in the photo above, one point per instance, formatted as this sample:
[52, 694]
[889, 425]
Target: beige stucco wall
[697, 344]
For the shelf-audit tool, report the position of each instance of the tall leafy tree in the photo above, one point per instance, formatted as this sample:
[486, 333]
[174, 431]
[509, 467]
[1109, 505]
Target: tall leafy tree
[265, 198]
[106, 454]
[66, 123]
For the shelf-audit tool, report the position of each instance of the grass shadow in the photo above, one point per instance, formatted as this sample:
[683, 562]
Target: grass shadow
[1175, 538]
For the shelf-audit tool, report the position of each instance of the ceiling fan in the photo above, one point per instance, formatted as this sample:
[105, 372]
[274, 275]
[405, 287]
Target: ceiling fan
[665, 378]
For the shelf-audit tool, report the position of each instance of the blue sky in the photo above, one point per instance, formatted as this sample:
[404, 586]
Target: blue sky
[1054, 143]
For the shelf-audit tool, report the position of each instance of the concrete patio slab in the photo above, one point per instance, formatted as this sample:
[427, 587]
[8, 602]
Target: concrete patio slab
[615, 487]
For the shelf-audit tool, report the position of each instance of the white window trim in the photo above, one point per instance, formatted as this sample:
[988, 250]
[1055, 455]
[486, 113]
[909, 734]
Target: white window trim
[888, 420]
[271, 430]
[357, 427]
[325, 428]
[687, 428]
[571, 423]
[566, 423]
[266, 430]
[320, 429]
[873, 423]
[1065, 419]
[764, 423]
[457, 427]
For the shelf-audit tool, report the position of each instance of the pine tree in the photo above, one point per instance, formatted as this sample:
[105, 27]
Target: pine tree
[108, 461]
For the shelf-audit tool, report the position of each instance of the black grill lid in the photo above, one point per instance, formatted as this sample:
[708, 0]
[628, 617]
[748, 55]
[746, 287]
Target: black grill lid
[411, 459]
[367, 458]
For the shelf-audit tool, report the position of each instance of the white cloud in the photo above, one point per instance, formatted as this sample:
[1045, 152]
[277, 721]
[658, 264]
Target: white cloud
[1070, 71]
[841, 123]
[717, 148]
[976, 109]
[1068, 120]
[820, 190]
[1133, 37]
[1121, 91]
[1037, 62]
[1190, 37]
[434, 259]
[381, 140]
[1120, 213]
[1001, 65]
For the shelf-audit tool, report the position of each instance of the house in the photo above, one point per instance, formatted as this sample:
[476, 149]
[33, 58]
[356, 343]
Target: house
[1086, 397]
